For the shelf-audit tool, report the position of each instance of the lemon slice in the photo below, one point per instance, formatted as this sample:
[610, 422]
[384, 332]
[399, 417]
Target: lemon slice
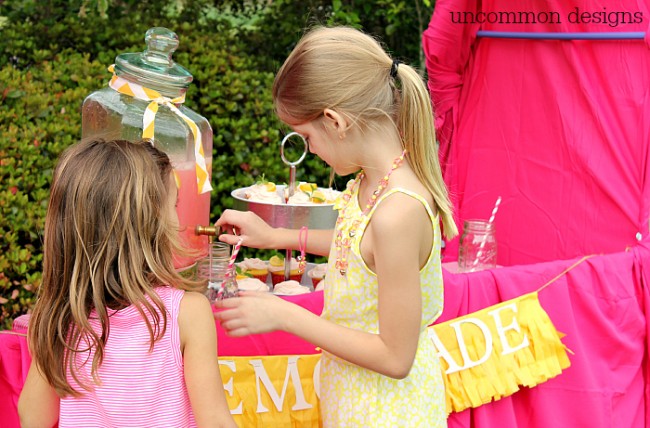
[307, 187]
[270, 187]
[276, 261]
[241, 273]
[318, 197]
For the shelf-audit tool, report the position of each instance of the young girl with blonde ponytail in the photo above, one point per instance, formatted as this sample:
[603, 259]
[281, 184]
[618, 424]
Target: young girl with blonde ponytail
[362, 112]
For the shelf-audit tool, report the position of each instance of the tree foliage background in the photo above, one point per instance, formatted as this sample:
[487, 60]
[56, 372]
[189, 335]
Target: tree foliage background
[55, 53]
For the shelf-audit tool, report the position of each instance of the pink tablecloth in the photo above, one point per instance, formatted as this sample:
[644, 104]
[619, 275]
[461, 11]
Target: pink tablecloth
[278, 343]
[14, 364]
[15, 359]
[601, 305]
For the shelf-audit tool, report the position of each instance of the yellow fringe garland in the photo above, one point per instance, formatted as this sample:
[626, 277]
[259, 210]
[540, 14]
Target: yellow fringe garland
[500, 375]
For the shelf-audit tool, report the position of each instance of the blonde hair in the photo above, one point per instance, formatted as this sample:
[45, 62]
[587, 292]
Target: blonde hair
[107, 244]
[346, 70]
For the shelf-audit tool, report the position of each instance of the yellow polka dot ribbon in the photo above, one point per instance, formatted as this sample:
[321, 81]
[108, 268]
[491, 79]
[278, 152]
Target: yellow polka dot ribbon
[139, 92]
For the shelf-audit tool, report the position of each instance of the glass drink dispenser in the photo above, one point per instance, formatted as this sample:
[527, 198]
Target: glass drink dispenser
[144, 100]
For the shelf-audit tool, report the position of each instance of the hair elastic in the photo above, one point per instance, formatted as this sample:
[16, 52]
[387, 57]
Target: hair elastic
[393, 68]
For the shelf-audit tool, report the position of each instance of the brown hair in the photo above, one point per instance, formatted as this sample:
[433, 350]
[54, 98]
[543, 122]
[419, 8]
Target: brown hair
[346, 70]
[106, 245]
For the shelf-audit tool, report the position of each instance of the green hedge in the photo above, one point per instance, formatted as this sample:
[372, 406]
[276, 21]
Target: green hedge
[40, 116]
[51, 58]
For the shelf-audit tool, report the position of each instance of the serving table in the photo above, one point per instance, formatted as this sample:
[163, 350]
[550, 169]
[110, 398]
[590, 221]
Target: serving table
[602, 306]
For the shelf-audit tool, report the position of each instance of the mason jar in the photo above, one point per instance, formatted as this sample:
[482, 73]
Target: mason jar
[214, 266]
[224, 289]
[478, 246]
[118, 112]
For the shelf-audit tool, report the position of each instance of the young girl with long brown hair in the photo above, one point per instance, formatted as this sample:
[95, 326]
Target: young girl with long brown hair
[116, 337]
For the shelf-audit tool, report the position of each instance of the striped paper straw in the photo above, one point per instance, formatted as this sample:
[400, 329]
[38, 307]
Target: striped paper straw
[233, 257]
[490, 221]
[494, 211]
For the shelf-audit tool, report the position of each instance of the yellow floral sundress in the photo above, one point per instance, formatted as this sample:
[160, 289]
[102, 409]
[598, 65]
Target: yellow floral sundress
[352, 396]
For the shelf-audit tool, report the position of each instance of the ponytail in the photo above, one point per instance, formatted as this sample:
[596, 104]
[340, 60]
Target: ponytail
[415, 122]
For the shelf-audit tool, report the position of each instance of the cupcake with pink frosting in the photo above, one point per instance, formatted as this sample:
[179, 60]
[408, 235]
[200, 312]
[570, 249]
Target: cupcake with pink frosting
[290, 288]
[276, 268]
[317, 273]
[255, 268]
[251, 284]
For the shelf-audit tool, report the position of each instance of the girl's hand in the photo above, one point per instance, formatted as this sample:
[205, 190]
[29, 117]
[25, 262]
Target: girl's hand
[253, 312]
[254, 231]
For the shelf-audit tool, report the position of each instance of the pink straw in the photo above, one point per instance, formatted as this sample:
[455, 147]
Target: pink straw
[233, 257]
[494, 211]
[490, 221]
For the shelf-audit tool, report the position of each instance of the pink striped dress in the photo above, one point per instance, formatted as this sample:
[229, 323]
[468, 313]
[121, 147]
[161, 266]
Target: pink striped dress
[138, 388]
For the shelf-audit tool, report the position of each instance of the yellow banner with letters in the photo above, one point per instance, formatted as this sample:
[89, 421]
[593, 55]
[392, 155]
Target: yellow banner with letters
[489, 354]
[486, 355]
[272, 391]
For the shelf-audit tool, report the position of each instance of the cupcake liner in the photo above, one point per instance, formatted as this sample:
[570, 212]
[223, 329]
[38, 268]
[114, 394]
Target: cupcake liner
[262, 277]
[277, 277]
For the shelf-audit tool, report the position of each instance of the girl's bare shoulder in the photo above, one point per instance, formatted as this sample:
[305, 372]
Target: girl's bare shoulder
[193, 305]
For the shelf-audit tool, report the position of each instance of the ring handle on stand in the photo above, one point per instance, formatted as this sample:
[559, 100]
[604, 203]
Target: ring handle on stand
[292, 165]
[291, 187]
[284, 141]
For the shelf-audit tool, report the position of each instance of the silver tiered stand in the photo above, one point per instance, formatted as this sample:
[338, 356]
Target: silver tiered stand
[290, 216]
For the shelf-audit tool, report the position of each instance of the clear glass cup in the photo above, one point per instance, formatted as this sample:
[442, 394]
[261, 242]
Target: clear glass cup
[219, 251]
[223, 286]
[214, 266]
[222, 283]
[478, 246]
[213, 273]
[229, 287]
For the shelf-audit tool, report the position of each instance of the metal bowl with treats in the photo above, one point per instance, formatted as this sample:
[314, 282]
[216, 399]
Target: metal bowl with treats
[290, 206]
[287, 215]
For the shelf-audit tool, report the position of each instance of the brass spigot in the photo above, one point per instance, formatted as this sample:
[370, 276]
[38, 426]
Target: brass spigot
[207, 230]
[211, 231]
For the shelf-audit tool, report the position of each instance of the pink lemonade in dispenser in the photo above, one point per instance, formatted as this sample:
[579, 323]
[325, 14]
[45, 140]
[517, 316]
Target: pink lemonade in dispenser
[193, 209]
[120, 109]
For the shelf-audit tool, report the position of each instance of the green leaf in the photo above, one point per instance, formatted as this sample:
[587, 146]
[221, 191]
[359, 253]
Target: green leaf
[15, 93]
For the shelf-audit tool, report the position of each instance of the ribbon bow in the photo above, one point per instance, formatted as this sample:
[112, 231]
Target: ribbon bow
[155, 99]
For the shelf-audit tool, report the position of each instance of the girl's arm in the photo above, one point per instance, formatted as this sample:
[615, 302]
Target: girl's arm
[38, 405]
[398, 251]
[198, 336]
[256, 233]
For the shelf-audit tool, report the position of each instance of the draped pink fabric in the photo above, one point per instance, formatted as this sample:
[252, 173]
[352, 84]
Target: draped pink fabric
[14, 365]
[15, 358]
[600, 304]
[276, 343]
[559, 129]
